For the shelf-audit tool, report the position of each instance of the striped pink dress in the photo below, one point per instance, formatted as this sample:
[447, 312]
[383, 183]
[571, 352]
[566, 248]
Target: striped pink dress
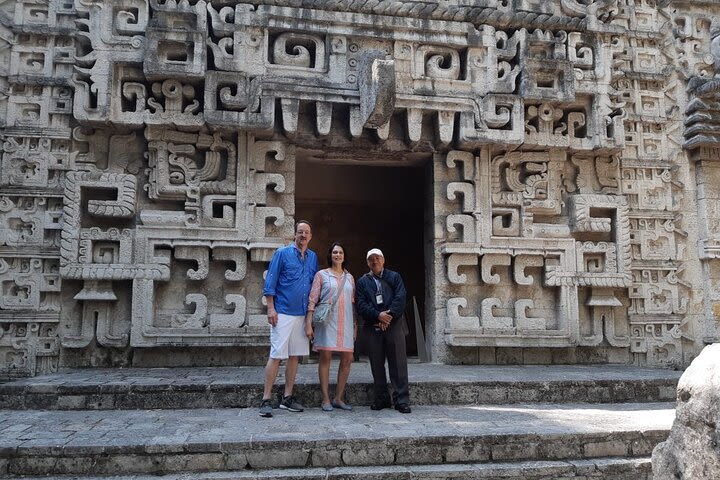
[339, 330]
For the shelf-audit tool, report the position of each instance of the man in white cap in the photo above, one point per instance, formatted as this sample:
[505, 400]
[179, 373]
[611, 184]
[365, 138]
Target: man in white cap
[380, 300]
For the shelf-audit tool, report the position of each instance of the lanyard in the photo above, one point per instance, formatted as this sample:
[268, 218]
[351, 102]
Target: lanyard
[377, 284]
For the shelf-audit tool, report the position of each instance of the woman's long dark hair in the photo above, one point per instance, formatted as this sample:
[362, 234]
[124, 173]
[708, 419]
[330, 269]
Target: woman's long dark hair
[329, 254]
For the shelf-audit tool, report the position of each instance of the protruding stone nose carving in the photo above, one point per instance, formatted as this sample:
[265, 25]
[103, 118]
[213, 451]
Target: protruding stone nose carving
[377, 89]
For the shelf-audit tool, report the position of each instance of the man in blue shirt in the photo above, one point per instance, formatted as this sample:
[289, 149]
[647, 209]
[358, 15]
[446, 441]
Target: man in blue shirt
[287, 288]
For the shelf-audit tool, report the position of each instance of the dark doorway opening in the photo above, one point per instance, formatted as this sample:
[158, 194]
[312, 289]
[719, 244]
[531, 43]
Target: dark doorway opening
[365, 207]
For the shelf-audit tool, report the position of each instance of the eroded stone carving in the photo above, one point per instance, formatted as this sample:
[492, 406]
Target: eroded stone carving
[691, 449]
[148, 166]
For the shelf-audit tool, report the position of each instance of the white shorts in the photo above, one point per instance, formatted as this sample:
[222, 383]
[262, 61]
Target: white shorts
[287, 338]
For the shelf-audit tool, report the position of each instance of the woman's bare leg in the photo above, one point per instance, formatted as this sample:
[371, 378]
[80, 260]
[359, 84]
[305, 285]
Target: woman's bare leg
[346, 359]
[324, 374]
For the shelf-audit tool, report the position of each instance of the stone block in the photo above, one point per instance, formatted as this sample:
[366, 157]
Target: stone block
[277, 457]
[467, 450]
[100, 402]
[419, 452]
[624, 392]
[122, 463]
[71, 402]
[536, 356]
[641, 466]
[493, 395]
[619, 355]
[559, 448]
[509, 356]
[519, 449]
[358, 454]
[563, 356]
[466, 356]
[51, 465]
[196, 462]
[12, 402]
[326, 457]
[607, 448]
[223, 400]
[451, 394]
[598, 393]
[41, 401]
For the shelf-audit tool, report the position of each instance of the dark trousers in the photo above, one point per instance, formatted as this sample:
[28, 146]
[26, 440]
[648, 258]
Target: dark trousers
[391, 345]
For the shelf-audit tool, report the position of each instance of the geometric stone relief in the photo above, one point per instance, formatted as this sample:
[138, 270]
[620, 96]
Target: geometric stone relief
[540, 249]
[148, 166]
[37, 149]
[697, 35]
[529, 275]
[608, 237]
[211, 295]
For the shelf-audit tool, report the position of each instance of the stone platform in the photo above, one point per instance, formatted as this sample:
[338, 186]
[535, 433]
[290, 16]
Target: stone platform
[150, 441]
[524, 422]
[431, 384]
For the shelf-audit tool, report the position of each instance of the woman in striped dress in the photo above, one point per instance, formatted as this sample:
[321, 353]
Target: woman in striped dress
[339, 331]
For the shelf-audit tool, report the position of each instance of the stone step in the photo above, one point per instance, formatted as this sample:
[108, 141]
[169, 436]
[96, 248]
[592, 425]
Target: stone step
[601, 469]
[164, 441]
[431, 384]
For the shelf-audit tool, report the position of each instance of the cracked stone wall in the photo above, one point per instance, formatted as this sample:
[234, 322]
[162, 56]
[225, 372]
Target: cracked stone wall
[149, 153]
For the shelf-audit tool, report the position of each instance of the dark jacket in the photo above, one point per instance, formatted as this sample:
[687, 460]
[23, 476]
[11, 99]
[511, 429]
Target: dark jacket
[393, 292]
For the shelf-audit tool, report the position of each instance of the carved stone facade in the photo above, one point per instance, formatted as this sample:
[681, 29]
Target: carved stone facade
[149, 170]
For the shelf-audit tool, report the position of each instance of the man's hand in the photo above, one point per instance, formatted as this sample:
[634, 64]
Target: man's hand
[272, 316]
[309, 333]
[384, 320]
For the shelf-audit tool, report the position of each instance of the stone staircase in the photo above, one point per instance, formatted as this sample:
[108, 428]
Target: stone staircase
[510, 422]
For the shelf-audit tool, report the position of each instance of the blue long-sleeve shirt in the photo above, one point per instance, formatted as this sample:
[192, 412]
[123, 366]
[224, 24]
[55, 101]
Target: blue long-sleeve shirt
[289, 279]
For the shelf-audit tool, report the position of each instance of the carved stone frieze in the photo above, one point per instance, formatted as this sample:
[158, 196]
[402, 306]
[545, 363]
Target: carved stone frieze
[148, 167]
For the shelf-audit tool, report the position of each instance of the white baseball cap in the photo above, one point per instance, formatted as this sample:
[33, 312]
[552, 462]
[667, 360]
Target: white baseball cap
[374, 251]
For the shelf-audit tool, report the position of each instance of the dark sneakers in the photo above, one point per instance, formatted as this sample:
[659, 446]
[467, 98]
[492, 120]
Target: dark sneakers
[287, 403]
[403, 408]
[290, 404]
[266, 408]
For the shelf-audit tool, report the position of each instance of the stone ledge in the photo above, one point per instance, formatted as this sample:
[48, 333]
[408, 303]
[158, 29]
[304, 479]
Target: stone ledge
[165, 441]
[431, 384]
[615, 468]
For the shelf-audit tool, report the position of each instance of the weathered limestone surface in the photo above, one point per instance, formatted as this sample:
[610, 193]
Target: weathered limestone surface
[120, 442]
[692, 450]
[149, 159]
[240, 387]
